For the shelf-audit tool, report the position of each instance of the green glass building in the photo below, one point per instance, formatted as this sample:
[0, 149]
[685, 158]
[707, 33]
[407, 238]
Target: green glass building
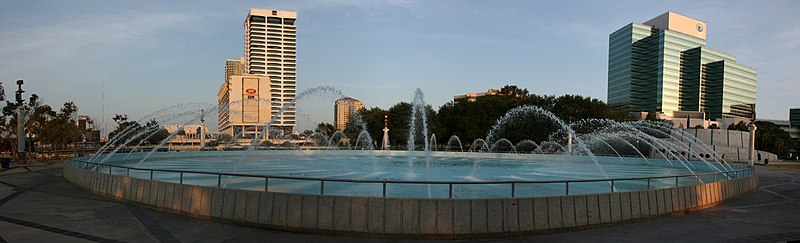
[664, 65]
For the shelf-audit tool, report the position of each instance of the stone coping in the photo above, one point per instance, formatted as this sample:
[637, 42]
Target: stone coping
[407, 217]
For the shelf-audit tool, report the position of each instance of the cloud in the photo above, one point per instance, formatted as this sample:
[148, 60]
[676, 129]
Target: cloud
[59, 40]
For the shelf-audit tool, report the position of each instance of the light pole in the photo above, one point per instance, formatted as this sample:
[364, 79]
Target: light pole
[20, 122]
[752, 129]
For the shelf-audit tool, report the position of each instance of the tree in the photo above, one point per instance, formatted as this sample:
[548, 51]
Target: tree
[773, 139]
[325, 128]
[713, 126]
[741, 126]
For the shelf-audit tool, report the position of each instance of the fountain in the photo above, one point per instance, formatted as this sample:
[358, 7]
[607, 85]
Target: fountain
[578, 161]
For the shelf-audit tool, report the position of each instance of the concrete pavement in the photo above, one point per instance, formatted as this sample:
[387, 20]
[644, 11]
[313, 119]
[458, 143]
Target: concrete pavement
[38, 205]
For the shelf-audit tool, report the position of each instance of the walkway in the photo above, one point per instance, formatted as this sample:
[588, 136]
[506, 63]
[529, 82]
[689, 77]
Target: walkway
[38, 205]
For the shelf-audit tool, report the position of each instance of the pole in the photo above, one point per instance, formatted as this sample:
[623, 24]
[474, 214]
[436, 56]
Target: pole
[752, 129]
[202, 130]
[21, 133]
[569, 143]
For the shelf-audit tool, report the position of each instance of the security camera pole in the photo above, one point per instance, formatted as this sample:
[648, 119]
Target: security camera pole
[20, 123]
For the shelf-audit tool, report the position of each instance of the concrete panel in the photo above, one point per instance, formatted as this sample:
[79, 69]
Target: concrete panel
[205, 201]
[196, 200]
[581, 213]
[154, 185]
[251, 212]
[636, 208]
[720, 137]
[673, 203]
[294, 210]
[177, 197]
[444, 217]
[554, 213]
[168, 195]
[651, 198]
[140, 191]
[309, 219]
[162, 187]
[604, 201]
[692, 199]
[126, 189]
[394, 215]
[324, 213]
[411, 216]
[427, 214]
[228, 203]
[462, 217]
[735, 139]
[494, 219]
[186, 201]
[625, 205]
[703, 135]
[644, 203]
[540, 211]
[358, 214]
[217, 200]
[661, 199]
[510, 214]
[144, 195]
[568, 211]
[525, 214]
[681, 198]
[593, 209]
[479, 216]
[279, 208]
[375, 214]
[616, 207]
[341, 213]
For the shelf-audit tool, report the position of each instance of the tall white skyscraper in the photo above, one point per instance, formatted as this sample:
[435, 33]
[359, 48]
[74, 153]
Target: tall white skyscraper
[270, 45]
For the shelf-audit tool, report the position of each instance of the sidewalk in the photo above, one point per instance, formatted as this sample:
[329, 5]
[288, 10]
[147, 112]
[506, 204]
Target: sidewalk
[38, 205]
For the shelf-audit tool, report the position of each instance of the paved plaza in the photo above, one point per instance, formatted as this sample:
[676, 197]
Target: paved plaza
[38, 205]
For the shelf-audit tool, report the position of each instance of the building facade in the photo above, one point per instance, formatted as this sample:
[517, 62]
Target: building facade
[664, 65]
[794, 117]
[244, 105]
[472, 97]
[343, 109]
[235, 66]
[270, 45]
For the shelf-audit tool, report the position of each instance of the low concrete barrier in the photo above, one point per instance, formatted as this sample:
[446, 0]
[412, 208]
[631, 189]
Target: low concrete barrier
[408, 218]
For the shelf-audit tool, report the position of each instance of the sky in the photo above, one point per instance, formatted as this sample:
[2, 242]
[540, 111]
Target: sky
[136, 57]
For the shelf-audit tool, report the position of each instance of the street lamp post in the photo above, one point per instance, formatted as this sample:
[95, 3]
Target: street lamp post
[20, 122]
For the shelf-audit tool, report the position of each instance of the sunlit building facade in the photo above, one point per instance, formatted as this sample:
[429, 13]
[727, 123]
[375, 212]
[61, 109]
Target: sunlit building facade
[343, 110]
[664, 65]
[270, 45]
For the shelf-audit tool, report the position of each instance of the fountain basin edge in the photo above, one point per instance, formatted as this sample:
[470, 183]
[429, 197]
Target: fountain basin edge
[440, 218]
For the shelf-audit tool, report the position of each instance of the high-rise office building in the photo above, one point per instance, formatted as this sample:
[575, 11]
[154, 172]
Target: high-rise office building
[343, 109]
[794, 117]
[270, 46]
[235, 66]
[664, 65]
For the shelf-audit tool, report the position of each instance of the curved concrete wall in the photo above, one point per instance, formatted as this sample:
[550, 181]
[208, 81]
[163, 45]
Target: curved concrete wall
[408, 218]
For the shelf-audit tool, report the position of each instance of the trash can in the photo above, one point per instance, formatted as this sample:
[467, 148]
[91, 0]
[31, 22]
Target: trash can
[6, 162]
[766, 162]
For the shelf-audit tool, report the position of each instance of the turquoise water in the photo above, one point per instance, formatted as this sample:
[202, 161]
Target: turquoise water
[397, 166]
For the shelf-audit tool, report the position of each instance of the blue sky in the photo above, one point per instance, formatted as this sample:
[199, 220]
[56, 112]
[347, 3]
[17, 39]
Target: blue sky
[153, 54]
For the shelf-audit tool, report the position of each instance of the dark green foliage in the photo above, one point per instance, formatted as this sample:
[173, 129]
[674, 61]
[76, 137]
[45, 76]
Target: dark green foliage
[771, 138]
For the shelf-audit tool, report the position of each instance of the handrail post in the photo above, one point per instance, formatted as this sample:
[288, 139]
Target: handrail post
[219, 180]
[513, 188]
[128, 172]
[321, 187]
[567, 192]
[181, 182]
[151, 175]
[698, 179]
[648, 183]
[612, 185]
[450, 192]
[715, 177]
[266, 184]
[384, 188]
[109, 169]
[676, 181]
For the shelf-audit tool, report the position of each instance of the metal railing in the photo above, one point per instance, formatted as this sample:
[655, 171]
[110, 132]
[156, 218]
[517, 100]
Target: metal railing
[512, 183]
